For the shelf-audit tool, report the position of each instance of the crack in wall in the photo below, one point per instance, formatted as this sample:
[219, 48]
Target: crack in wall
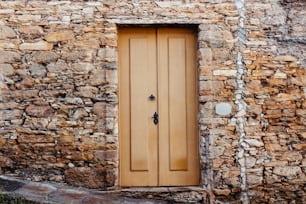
[240, 100]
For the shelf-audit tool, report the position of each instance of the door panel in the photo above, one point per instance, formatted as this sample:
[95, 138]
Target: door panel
[159, 62]
[138, 135]
[177, 103]
[178, 139]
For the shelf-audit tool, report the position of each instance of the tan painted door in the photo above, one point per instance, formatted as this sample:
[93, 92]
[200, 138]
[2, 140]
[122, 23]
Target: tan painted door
[159, 63]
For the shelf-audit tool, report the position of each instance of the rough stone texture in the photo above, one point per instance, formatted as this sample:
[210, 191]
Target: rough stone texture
[59, 85]
[86, 177]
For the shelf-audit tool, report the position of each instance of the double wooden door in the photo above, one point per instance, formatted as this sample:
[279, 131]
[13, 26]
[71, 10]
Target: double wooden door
[158, 107]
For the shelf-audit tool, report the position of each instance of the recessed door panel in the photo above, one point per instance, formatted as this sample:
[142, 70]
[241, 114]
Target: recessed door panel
[157, 78]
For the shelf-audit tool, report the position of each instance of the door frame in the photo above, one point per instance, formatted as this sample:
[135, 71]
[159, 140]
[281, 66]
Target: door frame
[194, 28]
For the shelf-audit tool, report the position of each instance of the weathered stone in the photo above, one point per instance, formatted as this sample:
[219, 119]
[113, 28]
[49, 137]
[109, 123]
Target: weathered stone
[111, 76]
[206, 55]
[40, 45]
[59, 36]
[88, 44]
[225, 72]
[58, 67]
[276, 163]
[35, 139]
[28, 18]
[5, 162]
[2, 141]
[102, 110]
[84, 176]
[286, 58]
[6, 69]
[10, 114]
[97, 77]
[280, 75]
[287, 171]
[37, 70]
[107, 54]
[75, 55]
[76, 100]
[39, 111]
[31, 30]
[254, 179]
[103, 156]
[88, 91]
[45, 57]
[216, 151]
[9, 57]
[254, 142]
[66, 139]
[80, 113]
[6, 32]
[8, 45]
[250, 162]
[36, 123]
[224, 192]
[84, 68]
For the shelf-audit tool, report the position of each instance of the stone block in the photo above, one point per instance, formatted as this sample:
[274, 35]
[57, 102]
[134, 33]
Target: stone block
[206, 56]
[6, 32]
[97, 77]
[39, 111]
[5, 162]
[103, 156]
[254, 180]
[85, 177]
[31, 30]
[223, 192]
[250, 162]
[79, 113]
[83, 68]
[9, 57]
[59, 36]
[285, 58]
[37, 70]
[36, 123]
[287, 171]
[103, 110]
[28, 18]
[111, 76]
[87, 44]
[10, 114]
[45, 57]
[40, 45]
[35, 139]
[88, 91]
[6, 69]
[107, 53]
[225, 72]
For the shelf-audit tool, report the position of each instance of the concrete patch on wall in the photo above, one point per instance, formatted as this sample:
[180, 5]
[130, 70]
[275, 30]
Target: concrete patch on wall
[223, 109]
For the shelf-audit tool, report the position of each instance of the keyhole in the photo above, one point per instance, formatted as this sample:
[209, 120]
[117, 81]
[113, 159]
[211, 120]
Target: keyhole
[151, 97]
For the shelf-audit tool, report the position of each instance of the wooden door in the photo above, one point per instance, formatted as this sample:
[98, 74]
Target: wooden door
[157, 75]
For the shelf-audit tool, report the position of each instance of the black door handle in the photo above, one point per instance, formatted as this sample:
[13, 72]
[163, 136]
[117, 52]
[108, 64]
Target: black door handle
[155, 118]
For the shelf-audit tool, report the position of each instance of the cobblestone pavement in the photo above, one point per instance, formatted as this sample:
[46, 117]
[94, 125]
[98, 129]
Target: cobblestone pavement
[50, 193]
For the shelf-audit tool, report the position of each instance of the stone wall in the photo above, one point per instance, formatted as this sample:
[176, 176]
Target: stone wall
[59, 84]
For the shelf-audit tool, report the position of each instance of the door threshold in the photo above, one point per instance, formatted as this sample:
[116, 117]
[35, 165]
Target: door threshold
[161, 189]
[177, 194]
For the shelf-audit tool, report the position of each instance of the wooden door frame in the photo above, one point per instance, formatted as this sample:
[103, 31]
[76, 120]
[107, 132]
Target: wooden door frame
[193, 27]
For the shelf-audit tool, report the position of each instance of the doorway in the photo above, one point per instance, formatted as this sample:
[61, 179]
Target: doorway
[158, 131]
